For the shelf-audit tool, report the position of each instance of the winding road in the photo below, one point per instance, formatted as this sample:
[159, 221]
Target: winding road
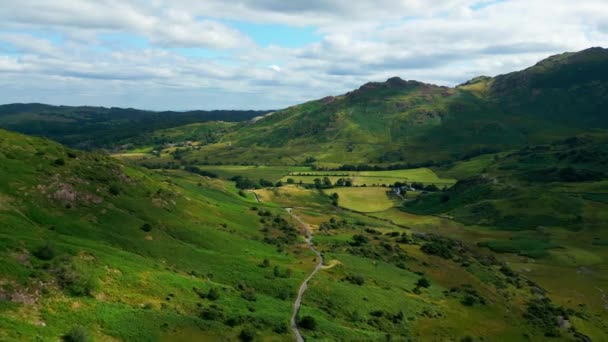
[298, 302]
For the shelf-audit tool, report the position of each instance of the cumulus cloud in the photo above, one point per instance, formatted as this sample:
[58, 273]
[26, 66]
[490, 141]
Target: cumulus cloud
[182, 54]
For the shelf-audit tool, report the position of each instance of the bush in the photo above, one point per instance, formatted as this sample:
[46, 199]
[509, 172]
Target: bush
[357, 279]
[77, 334]
[247, 335]
[212, 313]
[308, 322]
[359, 240]
[114, 190]
[73, 281]
[59, 162]
[46, 252]
[146, 227]
[214, 294]
[469, 300]
[249, 295]
[423, 282]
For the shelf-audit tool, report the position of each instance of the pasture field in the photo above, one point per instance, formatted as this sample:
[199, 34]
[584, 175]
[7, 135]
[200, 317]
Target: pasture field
[371, 178]
[363, 199]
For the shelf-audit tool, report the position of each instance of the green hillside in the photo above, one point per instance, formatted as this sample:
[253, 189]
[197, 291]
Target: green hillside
[100, 127]
[473, 213]
[92, 247]
[407, 121]
[125, 253]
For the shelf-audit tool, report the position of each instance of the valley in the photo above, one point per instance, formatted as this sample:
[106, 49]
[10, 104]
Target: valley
[398, 211]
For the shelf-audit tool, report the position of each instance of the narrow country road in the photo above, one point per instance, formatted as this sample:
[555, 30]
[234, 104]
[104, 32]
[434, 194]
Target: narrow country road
[298, 302]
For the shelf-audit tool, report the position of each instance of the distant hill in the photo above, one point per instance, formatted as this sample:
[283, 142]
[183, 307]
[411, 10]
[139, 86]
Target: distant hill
[96, 127]
[401, 121]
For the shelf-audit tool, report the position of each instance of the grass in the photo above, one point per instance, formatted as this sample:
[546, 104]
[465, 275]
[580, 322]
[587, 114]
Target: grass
[363, 199]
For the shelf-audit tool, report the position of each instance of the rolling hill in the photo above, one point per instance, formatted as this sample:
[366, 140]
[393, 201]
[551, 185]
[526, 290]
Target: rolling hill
[401, 121]
[100, 127]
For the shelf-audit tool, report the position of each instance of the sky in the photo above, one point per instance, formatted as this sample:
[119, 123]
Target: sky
[270, 54]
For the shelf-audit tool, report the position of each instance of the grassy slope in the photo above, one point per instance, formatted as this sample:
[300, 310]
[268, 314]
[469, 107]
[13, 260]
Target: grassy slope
[202, 236]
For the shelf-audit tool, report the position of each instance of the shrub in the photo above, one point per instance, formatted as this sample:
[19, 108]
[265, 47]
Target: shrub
[46, 252]
[77, 334]
[357, 279]
[249, 295]
[308, 322]
[214, 294]
[469, 300]
[114, 190]
[439, 248]
[59, 162]
[359, 240]
[212, 313]
[146, 227]
[247, 335]
[423, 282]
[72, 280]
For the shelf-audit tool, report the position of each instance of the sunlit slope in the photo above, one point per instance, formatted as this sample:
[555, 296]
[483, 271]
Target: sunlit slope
[408, 121]
[129, 254]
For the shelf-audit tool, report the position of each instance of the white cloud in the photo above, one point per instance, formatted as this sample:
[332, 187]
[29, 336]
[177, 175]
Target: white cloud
[60, 52]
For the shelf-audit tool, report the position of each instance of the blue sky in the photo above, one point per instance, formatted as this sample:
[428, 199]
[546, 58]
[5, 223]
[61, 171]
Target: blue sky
[260, 54]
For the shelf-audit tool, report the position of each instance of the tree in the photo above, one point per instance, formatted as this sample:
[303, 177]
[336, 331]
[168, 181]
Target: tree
[290, 181]
[340, 182]
[318, 183]
[348, 182]
[327, 182]
[334, 199]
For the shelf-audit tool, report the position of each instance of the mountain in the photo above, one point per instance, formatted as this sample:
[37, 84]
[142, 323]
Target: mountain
[100, 127]
[401, 121]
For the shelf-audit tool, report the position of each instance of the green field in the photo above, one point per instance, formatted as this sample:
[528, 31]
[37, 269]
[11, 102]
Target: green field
[374, 178]
[363, 199]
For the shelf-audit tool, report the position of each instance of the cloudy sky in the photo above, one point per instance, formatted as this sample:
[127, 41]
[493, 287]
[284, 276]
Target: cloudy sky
[268, 54]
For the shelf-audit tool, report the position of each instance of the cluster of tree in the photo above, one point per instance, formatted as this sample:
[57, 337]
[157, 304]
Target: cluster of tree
[324, 183]
[277, 231]
[194, 169]
[543, 315]
[332, 224]
[566, 174]
[368, 167]
[246, 183]
[419, 186]
[441, 246]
